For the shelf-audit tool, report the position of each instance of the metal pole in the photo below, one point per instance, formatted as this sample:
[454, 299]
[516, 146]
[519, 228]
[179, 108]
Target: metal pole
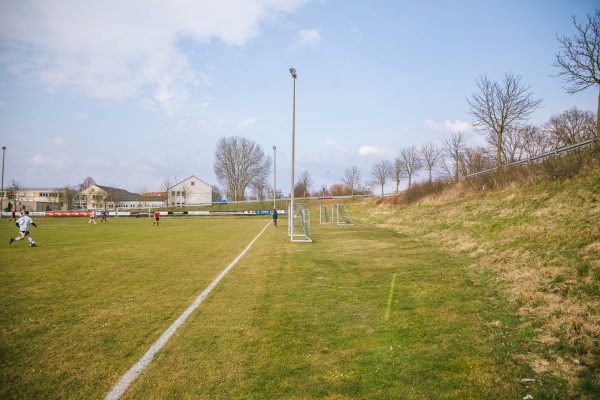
[326, 191]
[291, 216]
[2, 190]
[274, 177]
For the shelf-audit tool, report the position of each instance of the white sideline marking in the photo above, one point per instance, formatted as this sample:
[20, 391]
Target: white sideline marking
[134, 372]
[388, 309]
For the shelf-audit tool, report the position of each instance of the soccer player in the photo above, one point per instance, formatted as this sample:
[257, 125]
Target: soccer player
[156, 218]
[92, 217]
[13, 215]
[275, 217]
[104, 213]
[23, 225]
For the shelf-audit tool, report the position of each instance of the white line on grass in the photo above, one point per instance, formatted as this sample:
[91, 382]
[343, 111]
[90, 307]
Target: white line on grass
[388, 309]
[134, 372]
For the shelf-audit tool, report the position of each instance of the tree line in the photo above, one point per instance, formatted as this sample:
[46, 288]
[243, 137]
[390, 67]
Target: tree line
[499, 110]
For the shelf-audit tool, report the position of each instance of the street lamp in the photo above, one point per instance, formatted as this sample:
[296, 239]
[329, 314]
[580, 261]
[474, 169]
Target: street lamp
[291, 215]
[2, 189]
[274, 176]
[326, 191]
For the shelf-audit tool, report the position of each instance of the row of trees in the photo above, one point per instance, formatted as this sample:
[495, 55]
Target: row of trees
[500, 111]
[241, 165]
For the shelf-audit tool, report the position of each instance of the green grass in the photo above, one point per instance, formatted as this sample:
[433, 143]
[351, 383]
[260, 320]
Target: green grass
[291, 320]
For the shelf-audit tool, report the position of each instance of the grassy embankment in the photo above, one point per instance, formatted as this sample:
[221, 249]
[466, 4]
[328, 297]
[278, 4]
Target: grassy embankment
[532, 237]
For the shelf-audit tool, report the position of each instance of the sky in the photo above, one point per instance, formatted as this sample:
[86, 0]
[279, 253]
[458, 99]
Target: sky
[133, 92]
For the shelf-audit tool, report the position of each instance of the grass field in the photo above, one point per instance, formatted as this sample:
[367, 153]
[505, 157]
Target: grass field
[361, 313]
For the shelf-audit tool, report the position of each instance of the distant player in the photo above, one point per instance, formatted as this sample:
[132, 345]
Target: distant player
[92, 217]
[104, 214]
[13, 216]
[275, 217]
[156, 218]
[23, 225]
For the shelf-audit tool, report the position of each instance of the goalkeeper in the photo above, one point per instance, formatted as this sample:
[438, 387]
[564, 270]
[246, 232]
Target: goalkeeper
[23, 225]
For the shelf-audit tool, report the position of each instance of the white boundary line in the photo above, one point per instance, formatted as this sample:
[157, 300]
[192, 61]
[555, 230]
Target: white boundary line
[134, 372]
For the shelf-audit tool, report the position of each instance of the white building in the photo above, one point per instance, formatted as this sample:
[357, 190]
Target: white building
[190, 191]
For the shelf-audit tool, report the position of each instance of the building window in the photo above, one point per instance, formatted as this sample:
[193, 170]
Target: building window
[193, 183]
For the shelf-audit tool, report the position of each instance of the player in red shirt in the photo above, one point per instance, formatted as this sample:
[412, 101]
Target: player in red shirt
[156, 218]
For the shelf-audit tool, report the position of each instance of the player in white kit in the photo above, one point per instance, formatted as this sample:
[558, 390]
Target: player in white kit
[23, 225]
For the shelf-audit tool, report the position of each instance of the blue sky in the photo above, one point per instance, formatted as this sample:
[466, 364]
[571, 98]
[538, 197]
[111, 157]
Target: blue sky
[131, 92]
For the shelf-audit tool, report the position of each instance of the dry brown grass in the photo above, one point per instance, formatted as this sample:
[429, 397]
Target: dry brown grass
[538, 232]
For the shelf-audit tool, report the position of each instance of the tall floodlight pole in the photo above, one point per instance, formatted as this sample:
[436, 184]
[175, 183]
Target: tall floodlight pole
[2, 190]
[326, 191]
[291, 215]
[274, 176]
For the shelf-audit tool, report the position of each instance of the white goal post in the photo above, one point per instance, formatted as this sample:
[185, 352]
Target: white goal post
[342, 217]
[301, 225]
[324, 215]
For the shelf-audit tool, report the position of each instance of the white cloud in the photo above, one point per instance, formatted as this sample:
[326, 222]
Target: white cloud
[60, 140]
[247, 122]
[449, 126]
[308, 38]
[78, 115]
[49, 161]
[119, 50]
[373, 150]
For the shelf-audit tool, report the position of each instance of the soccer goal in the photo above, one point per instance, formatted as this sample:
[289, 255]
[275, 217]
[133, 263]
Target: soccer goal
[342, 216]
[299, 230]
[324, 215]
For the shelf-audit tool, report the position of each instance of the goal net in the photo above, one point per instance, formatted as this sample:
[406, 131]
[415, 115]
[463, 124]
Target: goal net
[324, 215]
[299, 227]
[341, 215]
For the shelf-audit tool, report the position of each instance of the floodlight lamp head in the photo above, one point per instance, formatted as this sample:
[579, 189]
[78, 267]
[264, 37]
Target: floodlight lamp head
[293, 72]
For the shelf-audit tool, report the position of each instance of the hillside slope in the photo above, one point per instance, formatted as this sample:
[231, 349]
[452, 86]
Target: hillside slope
[535, 242]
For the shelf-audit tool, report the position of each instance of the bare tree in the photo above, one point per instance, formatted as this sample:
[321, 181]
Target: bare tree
[260, 189]
[381, 172]
[512, 145]
[476, 159]
[165, 186]
[535, 141]
[238, 162]
[572, 126]
[454, 148]
[431, 155]
[411, 160]
[143, 192]
[498, 106]
[217, 194]
[15, 192]
[579, 59]
[398, 172]
[87, 182]
[351, 178]
[303, 185]
[69, 196]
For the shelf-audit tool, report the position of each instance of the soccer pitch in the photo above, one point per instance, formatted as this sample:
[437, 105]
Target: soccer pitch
[360, 313]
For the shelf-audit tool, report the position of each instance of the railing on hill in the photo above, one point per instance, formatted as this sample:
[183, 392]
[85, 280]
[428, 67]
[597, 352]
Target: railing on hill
[552, 153]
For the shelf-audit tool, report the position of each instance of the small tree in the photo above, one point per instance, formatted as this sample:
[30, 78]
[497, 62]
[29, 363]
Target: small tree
[411, 161]
[454, 148]
[87, 182]
[431, 155]
[579, 59]
[571, 127]
[498, 106]
[381, 172]
[398, 171]
[303, 185]
[166, 184]
[351, 178]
